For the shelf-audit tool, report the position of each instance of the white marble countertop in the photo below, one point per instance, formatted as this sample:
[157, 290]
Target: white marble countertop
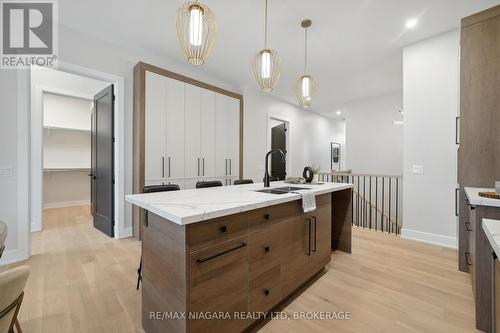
[190, 206]
[475, 199]
[492, 230]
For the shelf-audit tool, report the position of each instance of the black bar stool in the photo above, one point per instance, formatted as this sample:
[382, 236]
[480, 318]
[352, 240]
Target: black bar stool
[243, 181]
[212, 183]
[154, 189]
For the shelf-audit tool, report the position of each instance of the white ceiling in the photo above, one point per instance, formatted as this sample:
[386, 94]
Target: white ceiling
[355, 46]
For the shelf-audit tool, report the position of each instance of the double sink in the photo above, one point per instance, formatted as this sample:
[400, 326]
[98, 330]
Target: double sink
[282, 190]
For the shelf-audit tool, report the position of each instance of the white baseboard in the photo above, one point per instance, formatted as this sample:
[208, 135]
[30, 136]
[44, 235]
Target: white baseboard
[425, 237]
[66, 204]
[13, 256]
[127, 232]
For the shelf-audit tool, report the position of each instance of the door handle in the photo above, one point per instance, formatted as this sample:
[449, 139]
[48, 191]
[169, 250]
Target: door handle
[309, 225]
[225, 174]
[163, 167]
[198, 166]
[230, 167]
[203, 161]
[457, 129]
[315, 246]
[456, 201]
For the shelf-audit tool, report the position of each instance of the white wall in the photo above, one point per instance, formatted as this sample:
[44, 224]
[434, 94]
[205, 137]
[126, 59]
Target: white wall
[309, 134]
[431, 104]
[374, 144]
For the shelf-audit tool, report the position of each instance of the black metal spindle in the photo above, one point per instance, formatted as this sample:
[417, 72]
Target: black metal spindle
[397, 206]
[383, 204]
[371, 209]
[390, 199]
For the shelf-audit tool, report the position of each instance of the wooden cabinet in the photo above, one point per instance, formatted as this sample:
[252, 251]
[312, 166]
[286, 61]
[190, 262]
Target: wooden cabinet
[218, 282]
[244, 262]
[190, 133]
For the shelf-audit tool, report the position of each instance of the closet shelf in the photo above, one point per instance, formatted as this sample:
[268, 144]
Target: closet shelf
[66, 169]
[67, 129]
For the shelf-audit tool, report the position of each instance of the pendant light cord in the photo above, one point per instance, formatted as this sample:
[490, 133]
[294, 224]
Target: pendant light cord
[265, 28]
[305, 53]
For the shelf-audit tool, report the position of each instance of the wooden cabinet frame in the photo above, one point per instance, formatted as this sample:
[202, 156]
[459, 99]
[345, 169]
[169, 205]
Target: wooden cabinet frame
[139, 127]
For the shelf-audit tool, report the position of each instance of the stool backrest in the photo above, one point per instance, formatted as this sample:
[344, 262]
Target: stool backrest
[161, 188]
[12, 283]
[243, 181]
[212, 183]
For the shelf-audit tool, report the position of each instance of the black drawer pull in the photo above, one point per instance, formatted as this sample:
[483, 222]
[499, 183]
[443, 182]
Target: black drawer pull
[222, 253]
[467, 258]
[223, 229]
[315, 246]
[267, 248]
[267, 216]
[266, 292]
[309, 225]
[468, 226]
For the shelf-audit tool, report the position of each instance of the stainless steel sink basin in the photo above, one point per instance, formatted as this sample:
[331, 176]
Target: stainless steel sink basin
[282, 190]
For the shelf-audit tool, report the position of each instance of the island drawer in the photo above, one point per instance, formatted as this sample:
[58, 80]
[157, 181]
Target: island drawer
[215, 231]
[218, 283]
[264, 249]
[265, 290]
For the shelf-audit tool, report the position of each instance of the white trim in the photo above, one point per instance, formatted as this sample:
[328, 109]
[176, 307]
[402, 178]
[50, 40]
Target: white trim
[288, 138]
[425, 237]
[64, 204]
[119, 91]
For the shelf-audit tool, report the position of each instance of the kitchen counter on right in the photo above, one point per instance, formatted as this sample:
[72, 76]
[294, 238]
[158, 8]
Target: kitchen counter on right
[475, 199]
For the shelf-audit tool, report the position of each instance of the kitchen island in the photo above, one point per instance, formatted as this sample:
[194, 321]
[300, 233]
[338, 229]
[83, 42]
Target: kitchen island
[219, 259]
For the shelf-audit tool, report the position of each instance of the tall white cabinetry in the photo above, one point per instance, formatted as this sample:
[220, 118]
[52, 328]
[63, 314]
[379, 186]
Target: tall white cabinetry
[191, 134]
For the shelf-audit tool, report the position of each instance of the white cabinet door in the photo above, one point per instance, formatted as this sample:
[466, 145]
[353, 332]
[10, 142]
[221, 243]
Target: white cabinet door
[192, 136]
[154, 154]
[233, 149]
[174, 156]
[207, 133]
[221, 135]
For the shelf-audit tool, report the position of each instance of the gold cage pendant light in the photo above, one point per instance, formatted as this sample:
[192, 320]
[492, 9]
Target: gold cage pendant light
[196, 31]
[305, 87]
[266, 65]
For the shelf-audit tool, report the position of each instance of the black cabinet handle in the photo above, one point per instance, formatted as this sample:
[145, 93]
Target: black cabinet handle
[468, 226]
[456, 201]
[309, 225]
[266, 292]
[163, 167]
[315, 234]
[169, 167]
[267, 248]
[223, 229]
[467, 258]
[222, 253]
[267, 216]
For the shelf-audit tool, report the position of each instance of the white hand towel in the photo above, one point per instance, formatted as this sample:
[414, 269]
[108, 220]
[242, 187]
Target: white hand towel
[308, 200]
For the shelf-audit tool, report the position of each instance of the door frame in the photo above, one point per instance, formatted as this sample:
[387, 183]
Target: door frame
[288, 138]
[36, 141]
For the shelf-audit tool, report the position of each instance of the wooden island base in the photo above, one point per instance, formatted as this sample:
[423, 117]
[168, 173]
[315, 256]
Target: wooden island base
[222, 274]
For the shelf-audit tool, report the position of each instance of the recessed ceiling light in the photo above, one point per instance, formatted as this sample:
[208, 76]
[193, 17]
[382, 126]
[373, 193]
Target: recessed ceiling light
[338, 112]
[396, 122]
[411, 23]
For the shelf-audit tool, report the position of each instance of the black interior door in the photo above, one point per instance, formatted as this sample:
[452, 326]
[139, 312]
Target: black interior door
[278, 141]
[102, 187]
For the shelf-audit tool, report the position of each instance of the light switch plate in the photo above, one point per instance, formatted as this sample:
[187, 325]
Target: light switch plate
[418, 169]
[7, 172]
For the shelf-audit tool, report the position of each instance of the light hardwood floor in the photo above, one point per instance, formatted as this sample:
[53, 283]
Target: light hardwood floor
[83, 281]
